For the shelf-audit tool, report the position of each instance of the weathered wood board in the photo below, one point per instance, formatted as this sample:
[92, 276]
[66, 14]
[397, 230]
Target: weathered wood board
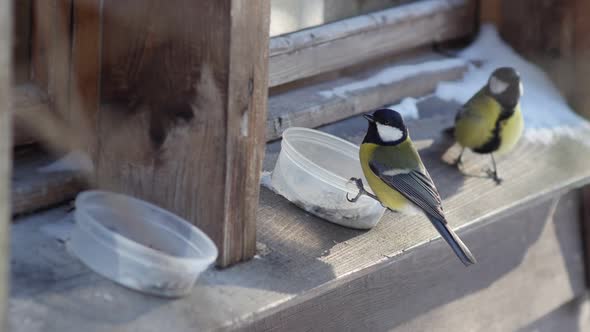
[293, 15]
[6, 77]
[528, 248]
[340, 44]
[320, 104]
[33, 189]
[183, 104]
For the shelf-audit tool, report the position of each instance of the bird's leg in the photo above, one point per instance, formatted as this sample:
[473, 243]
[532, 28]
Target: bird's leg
[362, 191]
[494, 173]
[459, 161]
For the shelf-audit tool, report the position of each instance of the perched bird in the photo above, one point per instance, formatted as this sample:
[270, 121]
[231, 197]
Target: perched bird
[491, 121]
[397, 176]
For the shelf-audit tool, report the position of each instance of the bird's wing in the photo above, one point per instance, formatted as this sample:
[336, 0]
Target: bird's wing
[415, 185]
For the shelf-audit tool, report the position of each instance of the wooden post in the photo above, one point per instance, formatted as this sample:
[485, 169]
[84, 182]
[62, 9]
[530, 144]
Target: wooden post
[183, 106]
[5, 153]
[555, 34]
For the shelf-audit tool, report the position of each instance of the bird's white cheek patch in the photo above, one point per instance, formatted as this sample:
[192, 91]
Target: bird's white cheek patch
[388, 133]
[497, 86]
[521, 89]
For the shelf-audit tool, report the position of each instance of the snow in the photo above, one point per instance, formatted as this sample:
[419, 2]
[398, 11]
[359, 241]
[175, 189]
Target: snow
[391, 75]
[407, 108]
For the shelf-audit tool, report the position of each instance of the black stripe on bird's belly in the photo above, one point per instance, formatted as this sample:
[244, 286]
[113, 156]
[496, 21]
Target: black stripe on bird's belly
[493, 144]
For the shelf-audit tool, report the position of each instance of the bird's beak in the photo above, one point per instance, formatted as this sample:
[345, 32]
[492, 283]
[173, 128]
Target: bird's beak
[369, 117]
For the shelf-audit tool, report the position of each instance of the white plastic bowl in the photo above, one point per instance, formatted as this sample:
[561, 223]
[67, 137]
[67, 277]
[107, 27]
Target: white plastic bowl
[139, 245]
[314, 170]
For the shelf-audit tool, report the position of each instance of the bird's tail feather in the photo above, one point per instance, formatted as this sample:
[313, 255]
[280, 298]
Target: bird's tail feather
[454, 241]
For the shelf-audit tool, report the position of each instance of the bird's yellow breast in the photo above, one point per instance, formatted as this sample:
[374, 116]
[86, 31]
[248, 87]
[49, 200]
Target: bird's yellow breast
[388, 196]
[510, 131]
[477, 122]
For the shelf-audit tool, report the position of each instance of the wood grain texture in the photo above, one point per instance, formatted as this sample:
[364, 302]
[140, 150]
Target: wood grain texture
[581, 100]
[26, 98]
[545, 36]
[51, 49]
[184, 106]
[292, 15]
[85, 67]
[6, 73]
[427, 291]
[33, 189]
[400, 274]
[585, 222]
[337, 45]
[21, 40]
[320, 104]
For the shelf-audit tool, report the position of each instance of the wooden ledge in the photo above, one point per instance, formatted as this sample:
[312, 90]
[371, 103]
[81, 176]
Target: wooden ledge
[320, 104]
[399, 275]
[328, 47]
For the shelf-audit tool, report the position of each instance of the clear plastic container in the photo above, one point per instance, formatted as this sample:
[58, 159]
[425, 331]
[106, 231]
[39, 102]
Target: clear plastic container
[139, 245]
[314, 170]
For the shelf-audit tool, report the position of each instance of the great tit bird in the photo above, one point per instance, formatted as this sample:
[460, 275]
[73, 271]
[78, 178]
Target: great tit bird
[397, 176]
[491, 121]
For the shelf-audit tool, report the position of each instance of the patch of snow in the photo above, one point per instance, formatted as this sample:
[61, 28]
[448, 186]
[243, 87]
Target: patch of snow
[266, 180]
[407, 108]
[76, 161]
[391, 75]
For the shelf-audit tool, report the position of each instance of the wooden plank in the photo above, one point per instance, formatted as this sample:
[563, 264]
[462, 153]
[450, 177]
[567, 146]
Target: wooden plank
[324, 103]
[337, 45]
[545, 36]
[84, 84]
[291, 15]
[581, 36]
[6, 43]
[184, 106]
[528, 248]
[427, 291]
[573, 316]
[26, 98]
[51, 48]
[22, 40]
[585, 222]
[34, 189]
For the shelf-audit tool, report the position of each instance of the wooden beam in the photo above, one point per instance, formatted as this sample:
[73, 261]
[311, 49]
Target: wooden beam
[33, 188]
[585, 222]
[340, 44]
[320, 104]
[6, 40]
[22, 40]
[184, 91]
[292, 15]
[27, 98]
[51, 48]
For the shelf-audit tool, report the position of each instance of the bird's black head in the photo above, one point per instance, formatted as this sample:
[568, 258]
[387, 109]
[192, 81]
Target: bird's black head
[386, 127]
[505, 86]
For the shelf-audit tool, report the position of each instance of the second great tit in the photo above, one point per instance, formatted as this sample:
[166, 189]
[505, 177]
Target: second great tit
[397, 176]
[491, 121]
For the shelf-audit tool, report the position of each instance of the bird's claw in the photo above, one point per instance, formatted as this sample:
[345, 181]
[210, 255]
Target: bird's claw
[361, 188]
[494, 176]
